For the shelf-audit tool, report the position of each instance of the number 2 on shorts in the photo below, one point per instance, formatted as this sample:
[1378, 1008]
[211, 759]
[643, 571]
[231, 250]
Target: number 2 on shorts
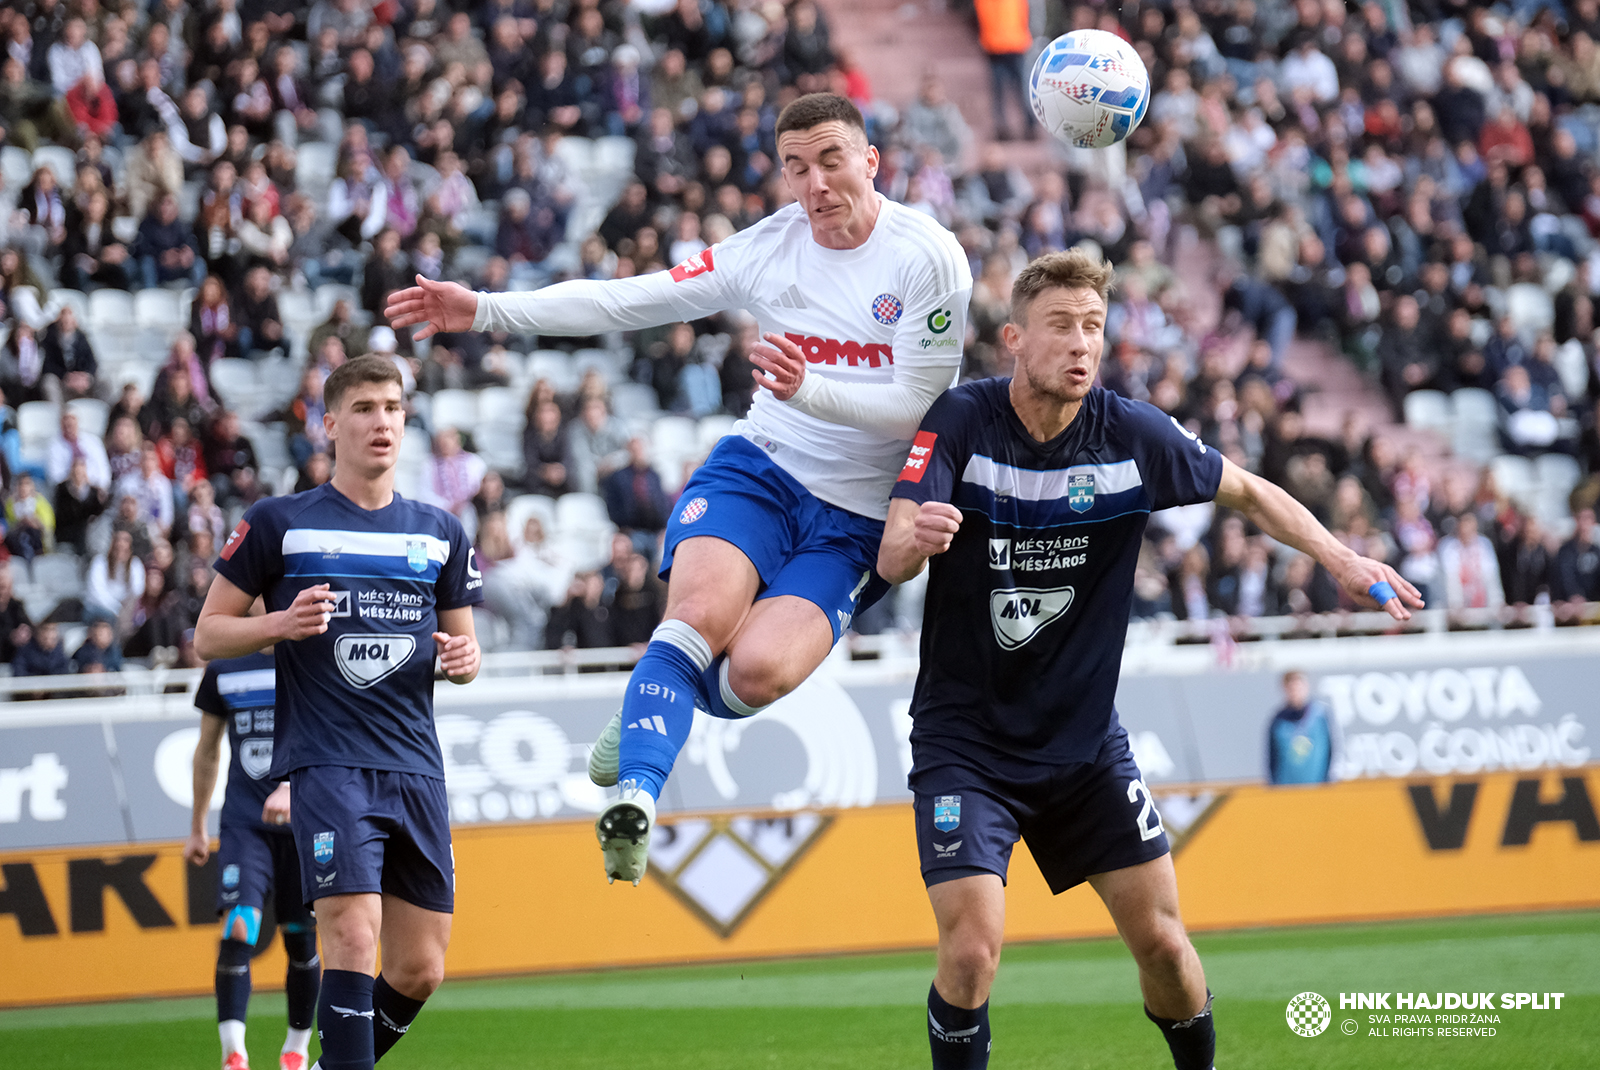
[1148, 829]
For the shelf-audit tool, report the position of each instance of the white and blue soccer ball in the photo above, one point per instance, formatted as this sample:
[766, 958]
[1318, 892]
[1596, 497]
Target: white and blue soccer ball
[1089, 88]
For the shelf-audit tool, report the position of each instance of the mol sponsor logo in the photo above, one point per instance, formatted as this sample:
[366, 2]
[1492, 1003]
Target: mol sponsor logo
[831, 351]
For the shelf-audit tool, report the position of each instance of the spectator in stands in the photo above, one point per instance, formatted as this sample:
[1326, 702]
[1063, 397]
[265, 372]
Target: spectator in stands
[167, 251]
[527, 235]
[454, 474]
[934, 121]
[213, 324]
[175, 392]
[76, 504]
[15, 628]
[1577, 564]
[388, 270]
[1301, 739]
[73, 56]
[582, 621]
[639, 602]
[303, 418]
[41, 214]
[544, 448]
[317, 470]
[152, 490]
[230, 458]
[1188, 584]
[634, 496]
[1529, 417]
[154, 620]
[29, 112]
[1527, 567]
[1469, 569]
[1407, 356]
[74, 444]
[70, 366]
[154, 171]
[260, 323]
[518, 594]
[116, 578]
[42, 654]
[265, 238]
[22, 364]
[30, 521]
[597, 445]
[91, 256]
[99, 651]
[181, 460]
[122, 445]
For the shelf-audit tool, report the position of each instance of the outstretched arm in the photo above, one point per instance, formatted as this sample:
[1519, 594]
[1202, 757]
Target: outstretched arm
[895, 408]
[577, 307]
[1272, 510]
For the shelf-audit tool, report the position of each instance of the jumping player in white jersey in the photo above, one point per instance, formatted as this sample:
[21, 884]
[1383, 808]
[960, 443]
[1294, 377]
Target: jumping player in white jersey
[1030, 495]
[862, 304]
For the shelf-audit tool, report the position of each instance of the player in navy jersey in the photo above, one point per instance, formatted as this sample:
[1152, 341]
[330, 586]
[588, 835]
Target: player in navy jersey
[255, 856]
[1030, 495]
[364, 591]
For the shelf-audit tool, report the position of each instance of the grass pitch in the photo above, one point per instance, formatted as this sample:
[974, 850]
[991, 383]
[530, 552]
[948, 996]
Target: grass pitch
[1055, 1005]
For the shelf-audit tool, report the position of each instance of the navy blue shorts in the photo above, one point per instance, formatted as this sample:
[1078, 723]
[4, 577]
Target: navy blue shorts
[1078, 820]
[253, 863]
[368, 830]
[799, 544]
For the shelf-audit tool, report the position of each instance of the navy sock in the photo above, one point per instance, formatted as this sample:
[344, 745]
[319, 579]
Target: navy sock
[958, 1037]
[233, 980]
[304, 976]
[658, 710]
[1193, 1041]
[344, 1020]
[393, 1015]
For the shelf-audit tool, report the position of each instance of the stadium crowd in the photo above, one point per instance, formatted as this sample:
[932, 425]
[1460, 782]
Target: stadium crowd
[206, 205]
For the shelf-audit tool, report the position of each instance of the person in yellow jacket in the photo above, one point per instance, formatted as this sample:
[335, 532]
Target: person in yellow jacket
[1005, 36]
[30, 520]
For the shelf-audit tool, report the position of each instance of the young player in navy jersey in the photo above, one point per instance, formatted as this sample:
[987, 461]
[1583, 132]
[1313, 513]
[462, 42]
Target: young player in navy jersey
[364, 591]
[255, 856]
[1030, 495]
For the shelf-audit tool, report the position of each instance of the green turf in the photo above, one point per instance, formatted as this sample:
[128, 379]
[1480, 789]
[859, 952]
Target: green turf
[1055, 1005]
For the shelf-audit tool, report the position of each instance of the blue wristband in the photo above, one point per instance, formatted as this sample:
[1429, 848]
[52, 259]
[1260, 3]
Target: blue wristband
[1381, 592]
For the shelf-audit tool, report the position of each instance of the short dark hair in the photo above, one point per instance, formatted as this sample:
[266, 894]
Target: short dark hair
[1073, 269]
[814, 109]
[366, 369]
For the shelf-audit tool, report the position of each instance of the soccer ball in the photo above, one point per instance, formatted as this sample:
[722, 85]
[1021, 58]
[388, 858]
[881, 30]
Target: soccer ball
[1089, 88]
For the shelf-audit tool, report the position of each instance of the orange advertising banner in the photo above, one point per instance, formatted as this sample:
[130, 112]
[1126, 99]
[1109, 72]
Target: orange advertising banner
[80, 925]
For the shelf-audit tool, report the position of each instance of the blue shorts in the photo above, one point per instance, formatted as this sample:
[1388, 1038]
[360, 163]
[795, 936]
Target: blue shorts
[1078, 820]
[369, 830]
[253, 863]
[799, 544]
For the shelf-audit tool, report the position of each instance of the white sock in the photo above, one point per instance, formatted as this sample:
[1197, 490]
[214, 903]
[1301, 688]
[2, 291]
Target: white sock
[676, 633]
[298, 1040]
[232, 1034]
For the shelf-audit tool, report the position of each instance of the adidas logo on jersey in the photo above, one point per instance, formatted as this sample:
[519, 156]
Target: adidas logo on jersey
[790, 298]
[1019, 613]
[650, 724]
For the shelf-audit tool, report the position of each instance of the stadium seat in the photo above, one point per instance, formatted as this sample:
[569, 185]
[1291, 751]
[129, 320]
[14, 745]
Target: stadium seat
[613, 156]
[455, 408]
[62, 163]
[58, 573]
[674, 436]
[1474, 436]
[525, 505]
[1516, 478]
[314, 166]
[1530, 308]
[1429, 410]
[76, 300]
[270, 442]
[500, 445]
[238, 384]
[502, 406]
[110, 310]
[634, 401]
[713, 428]
[1476, 407]
[93, 415]
[582, 512]
[577, 153]
[298, 307]
[158, 308]
[37, 423]
[554, 365]
[17, 167]
[329, 293]
[1558, 474]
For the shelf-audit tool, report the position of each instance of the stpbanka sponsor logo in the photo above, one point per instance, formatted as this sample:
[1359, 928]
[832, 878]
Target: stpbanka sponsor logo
[831, 351]
[1019, 613]
[366, 659]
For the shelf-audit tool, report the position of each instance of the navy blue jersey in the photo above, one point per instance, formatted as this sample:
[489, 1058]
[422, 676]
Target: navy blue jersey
[361, 693]
[1026, 613]
[240, 691]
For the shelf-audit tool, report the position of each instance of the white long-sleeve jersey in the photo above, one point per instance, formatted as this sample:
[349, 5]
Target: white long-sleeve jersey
[881, 327]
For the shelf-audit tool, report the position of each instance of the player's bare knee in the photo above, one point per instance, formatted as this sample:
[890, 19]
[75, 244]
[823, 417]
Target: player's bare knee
[1162, 951]
[417, 979]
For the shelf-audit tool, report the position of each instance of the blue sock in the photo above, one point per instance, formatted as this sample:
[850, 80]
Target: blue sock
[344, 1020]
[658, 710]
[304, 976]
[720, 698]
[959, 1038]
[233, 980]
[1193, 1041]
[393, 1015]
